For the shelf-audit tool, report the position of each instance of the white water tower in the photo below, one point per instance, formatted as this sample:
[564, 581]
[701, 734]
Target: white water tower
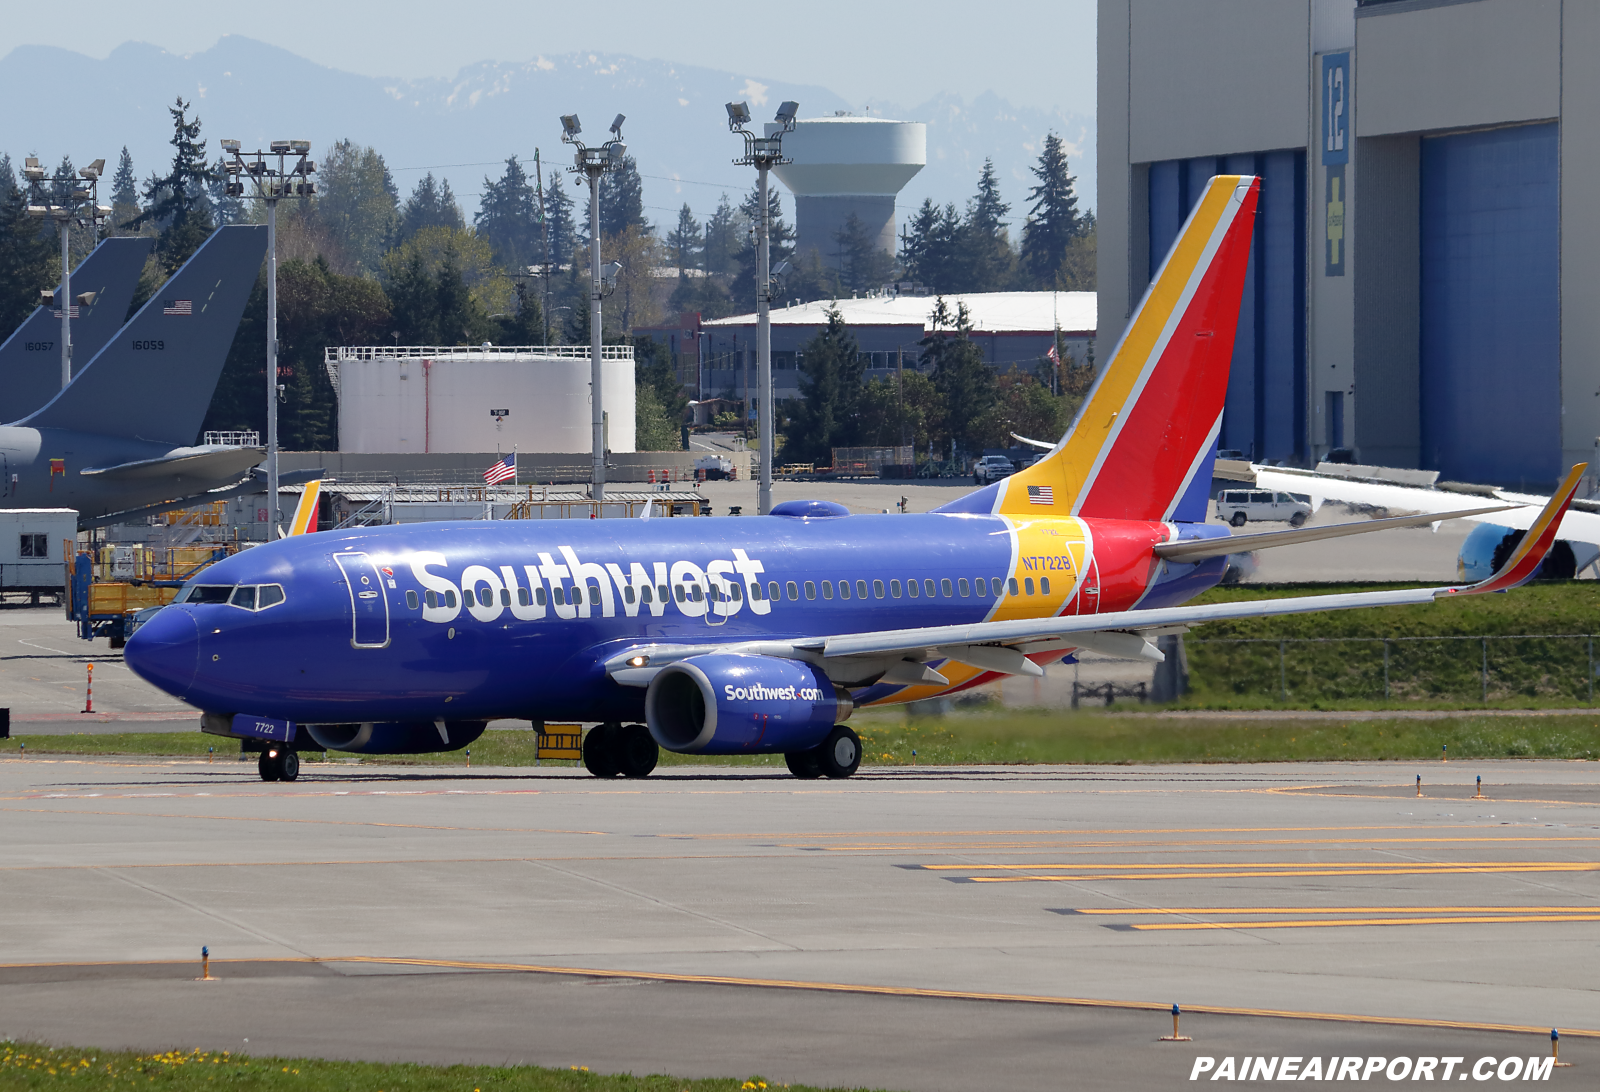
[843, 165]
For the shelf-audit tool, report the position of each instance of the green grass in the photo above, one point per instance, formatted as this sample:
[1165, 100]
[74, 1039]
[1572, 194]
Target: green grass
[30, 1066]
[1237, 665]
[1024, 737]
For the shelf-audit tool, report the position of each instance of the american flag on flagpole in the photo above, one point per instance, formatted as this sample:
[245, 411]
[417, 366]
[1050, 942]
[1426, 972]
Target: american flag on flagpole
[504, 470]
[1055, 357]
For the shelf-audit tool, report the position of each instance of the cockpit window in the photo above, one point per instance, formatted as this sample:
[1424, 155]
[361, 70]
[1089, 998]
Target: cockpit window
[244, 596]
[269, 595]
[206, 593]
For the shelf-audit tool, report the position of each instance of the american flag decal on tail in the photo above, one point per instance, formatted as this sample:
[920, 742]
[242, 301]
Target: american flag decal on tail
[177, 307]
[1041, 494]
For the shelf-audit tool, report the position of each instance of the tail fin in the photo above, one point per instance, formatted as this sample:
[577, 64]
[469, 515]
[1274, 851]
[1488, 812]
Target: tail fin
[30, 359]
[305, 513]
[155, 378]
[1524, 561]
[1148, 430]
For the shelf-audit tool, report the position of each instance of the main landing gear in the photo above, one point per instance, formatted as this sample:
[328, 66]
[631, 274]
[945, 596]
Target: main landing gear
[277, 764]
[839, 755]
[627, 749]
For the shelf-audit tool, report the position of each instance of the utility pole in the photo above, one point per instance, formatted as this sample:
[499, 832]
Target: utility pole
[764, 153]
[544, 224]
[80, 205]
[592, 163]
[271, 184]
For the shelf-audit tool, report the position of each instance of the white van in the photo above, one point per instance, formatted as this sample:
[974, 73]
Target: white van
[1239, 506]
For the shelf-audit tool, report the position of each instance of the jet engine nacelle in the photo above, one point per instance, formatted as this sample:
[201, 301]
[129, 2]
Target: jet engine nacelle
[1487, 547]
[731, 703]
[407, 738]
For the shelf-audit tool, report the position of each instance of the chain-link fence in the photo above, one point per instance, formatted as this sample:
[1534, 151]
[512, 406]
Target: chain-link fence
[1539, 668]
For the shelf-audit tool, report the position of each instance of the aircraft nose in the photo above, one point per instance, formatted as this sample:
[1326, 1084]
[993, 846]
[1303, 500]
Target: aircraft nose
[166, 650]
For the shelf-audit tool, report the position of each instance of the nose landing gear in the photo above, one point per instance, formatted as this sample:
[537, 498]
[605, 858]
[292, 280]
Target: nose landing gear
[278, 765]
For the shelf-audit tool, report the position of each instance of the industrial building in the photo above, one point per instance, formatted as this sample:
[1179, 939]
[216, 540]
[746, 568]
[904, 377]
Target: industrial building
[1014, 329]
[424, 399]
[1427, 251]
[842, 166]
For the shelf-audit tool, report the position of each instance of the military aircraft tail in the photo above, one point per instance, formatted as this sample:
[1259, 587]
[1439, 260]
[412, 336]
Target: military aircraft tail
[155, 378]
[30, 359]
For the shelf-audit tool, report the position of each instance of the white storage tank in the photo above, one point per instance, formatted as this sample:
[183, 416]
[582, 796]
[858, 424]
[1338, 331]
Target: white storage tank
[843, 165]
[428, 399]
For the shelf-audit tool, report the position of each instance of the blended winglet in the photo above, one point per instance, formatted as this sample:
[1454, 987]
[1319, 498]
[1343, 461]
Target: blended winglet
[1524, 561]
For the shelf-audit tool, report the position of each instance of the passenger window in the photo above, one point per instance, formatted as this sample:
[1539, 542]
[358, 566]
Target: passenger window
[773, 591]
[505, 597]
[844, 589]
[877, 589]
[522, 596]
[644, 594]
[683, 596]
[811, 589]
[411, 600]
[694, 593]
[912, 589]
[594, 594]
[996, 589]
[627, 594]
[861, 589]
[270, 595]
[927, 587]
[450, 598]
[243, 596]
[964, 591]
[1044, 585]
[827, 589]
[894, 588]
[945, 589]
[661, 590]
[466, 597]
[560, 594]
[539, 596]
[738, 591]
[1027, 584]
[431, 598]
[1011, 582]
[794, 592]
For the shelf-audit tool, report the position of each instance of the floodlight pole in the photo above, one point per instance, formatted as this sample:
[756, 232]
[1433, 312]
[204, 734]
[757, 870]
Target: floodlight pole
[78, 204]
[763, 153]
[272, 185]
[592, 163]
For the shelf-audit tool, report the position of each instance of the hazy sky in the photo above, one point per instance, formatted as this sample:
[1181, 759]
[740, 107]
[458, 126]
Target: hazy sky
[901, 53]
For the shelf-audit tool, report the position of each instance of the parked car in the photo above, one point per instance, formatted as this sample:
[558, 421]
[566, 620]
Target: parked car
[991, 468]
[1239, 506]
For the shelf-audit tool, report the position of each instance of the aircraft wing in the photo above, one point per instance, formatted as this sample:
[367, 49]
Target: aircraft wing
[1005, 646]
[213, 462]
[1576, 525]
[1200, 548]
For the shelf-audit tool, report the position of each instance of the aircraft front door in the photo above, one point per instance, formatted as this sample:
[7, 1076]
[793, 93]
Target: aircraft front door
[369, 606]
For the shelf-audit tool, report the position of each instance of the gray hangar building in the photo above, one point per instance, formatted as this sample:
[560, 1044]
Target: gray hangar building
[1424, 287]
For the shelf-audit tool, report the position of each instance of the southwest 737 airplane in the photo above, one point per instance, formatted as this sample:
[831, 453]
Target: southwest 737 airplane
[748, 636]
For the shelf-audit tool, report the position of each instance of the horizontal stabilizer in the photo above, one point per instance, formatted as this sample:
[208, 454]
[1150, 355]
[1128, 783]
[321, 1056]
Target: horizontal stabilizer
[255, 484]
[1198, 549]
[154, 379]
[212, 463]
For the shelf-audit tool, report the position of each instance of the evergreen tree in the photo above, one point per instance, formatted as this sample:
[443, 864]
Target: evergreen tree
[827, 416]
[414, 298]
[1053, 218]
[683, 242]
[622, 199]
[863, 265]
[508, 216]
[961, 377]
[781, 243]
[659, 401]
[27, 262]
[558, 214]
[985, 258]
[124, 183]
[229, 210]
[724, 235]
[928, 246]
[430, 205]
[178, 203]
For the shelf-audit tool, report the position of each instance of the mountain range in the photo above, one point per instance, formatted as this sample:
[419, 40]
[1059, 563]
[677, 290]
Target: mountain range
[463, 127]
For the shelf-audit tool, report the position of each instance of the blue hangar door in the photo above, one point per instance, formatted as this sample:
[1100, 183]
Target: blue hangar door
[1266, 410]
[1490, 347]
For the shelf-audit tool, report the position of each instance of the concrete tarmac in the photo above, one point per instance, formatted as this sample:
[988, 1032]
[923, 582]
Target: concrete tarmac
[908, 928]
